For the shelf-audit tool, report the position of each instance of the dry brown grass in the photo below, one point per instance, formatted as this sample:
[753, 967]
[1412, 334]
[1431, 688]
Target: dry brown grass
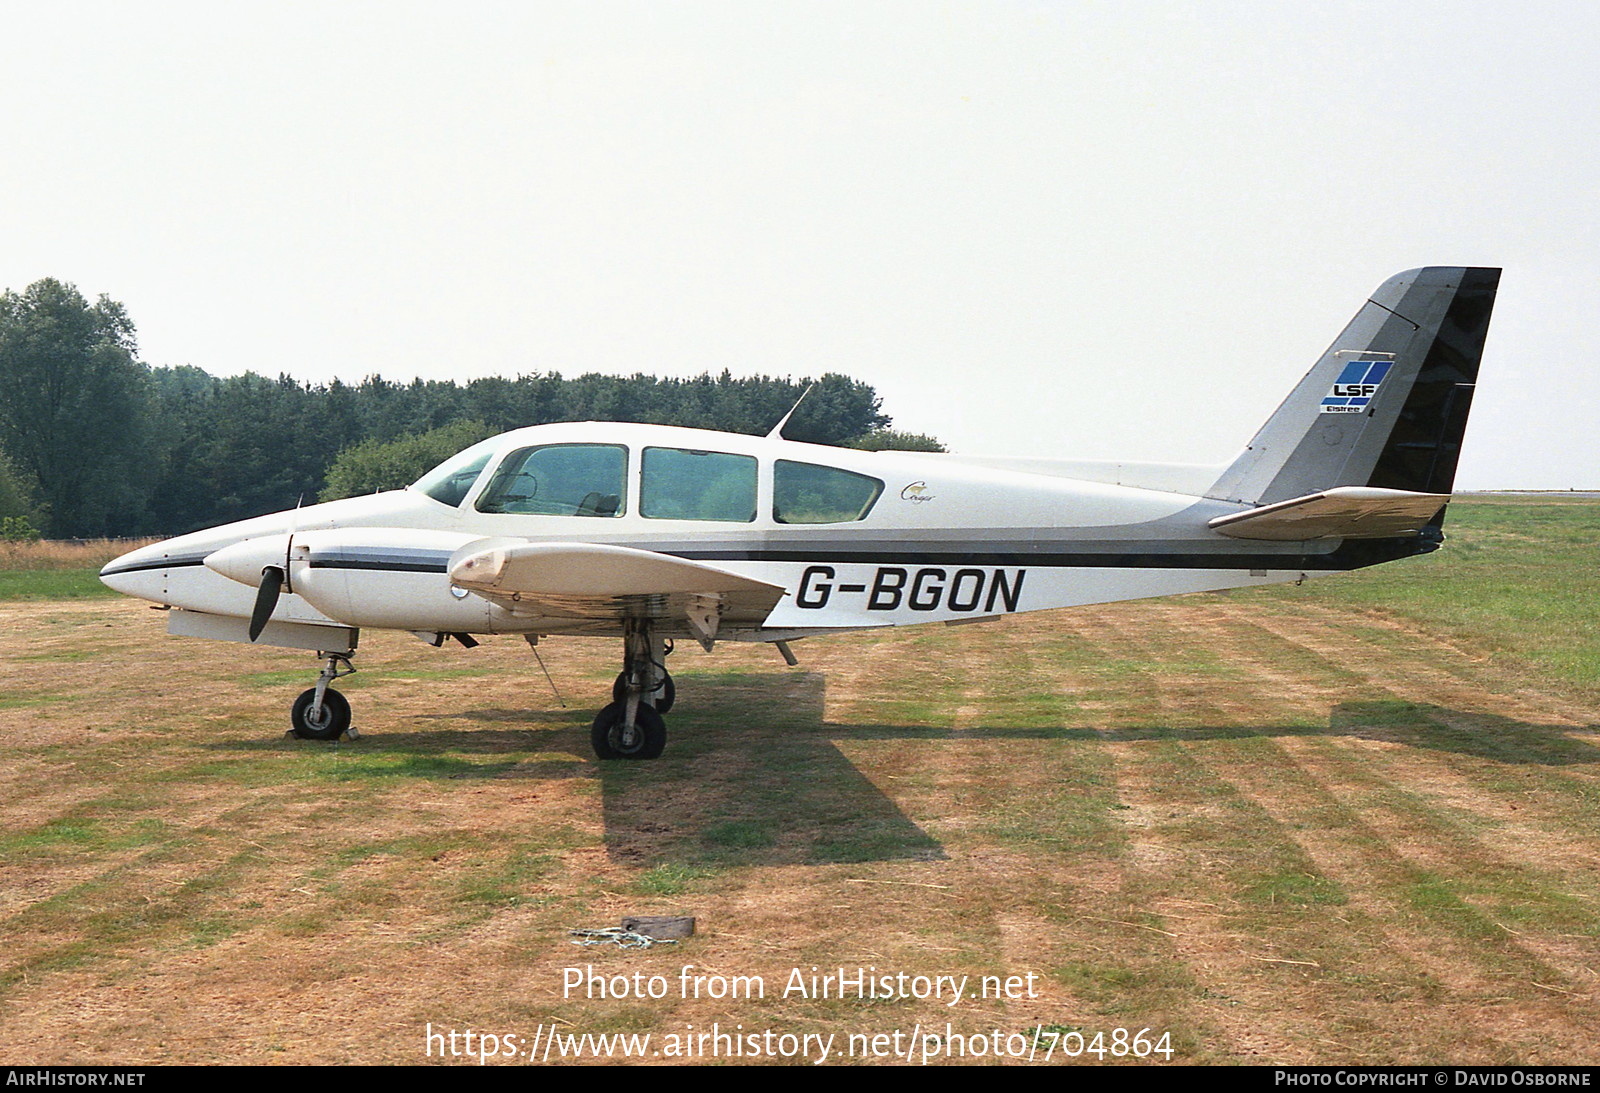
[65, 554]
[1280, 831]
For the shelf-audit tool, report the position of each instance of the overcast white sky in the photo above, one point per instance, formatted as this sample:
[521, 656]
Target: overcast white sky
[1118, 230]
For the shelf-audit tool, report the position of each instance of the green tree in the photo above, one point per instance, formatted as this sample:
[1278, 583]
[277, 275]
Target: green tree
[375, 465]
[894, 440]
[837, 409]
[17, 510]
[73, 407]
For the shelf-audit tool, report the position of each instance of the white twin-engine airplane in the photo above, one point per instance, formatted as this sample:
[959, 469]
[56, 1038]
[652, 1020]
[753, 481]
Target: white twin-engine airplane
[656, 533]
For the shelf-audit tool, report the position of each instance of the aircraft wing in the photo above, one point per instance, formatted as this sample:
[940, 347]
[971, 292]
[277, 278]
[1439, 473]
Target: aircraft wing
[594, 581]
[1345, 512]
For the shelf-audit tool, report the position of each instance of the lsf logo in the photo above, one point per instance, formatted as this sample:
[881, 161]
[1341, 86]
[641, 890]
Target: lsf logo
[1353, 390]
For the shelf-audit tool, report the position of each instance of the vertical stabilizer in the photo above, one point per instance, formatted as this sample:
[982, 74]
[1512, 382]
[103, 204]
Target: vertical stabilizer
[1386, 405]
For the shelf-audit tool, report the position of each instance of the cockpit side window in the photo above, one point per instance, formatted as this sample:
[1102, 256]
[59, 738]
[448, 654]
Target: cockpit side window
[559, 480]
[803, 493]
[452, 480]
[681, 484]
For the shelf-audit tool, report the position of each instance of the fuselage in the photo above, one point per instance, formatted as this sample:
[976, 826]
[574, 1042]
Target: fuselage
[858, 539]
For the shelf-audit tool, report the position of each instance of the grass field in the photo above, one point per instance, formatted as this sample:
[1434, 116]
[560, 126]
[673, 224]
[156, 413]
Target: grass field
[43, 570]
[1352, 822]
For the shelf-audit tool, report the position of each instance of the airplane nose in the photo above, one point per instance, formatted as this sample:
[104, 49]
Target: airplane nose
[142, 572]
[243, 561]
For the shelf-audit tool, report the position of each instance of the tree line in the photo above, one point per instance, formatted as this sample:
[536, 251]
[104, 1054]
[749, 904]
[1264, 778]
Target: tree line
[94, 442]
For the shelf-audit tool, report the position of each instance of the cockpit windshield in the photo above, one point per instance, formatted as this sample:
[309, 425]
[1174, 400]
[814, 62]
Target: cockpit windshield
[450, 481]
[559, 480]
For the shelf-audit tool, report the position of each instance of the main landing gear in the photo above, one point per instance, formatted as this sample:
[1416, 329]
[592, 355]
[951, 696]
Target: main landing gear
[631, 726]
[322, 713]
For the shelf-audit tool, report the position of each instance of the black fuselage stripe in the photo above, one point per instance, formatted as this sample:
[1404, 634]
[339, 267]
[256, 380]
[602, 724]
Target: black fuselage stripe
[1329, 561]
[145, 567]
[1341, 559]
[957, 561]
[378, 564]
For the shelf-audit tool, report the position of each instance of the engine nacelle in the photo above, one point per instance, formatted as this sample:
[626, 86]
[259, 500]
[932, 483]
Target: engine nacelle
[390, 578]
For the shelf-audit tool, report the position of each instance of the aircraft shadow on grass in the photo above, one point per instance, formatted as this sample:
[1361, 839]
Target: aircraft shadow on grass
[760, 776]
[754, 776]
[1415, 724]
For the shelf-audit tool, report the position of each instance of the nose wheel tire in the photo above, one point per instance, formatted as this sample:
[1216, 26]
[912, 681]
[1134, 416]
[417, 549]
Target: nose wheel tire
[333, 722]
[664, 697]
[612, 740]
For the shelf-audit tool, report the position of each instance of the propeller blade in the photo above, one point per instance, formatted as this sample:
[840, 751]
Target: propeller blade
[266, 599]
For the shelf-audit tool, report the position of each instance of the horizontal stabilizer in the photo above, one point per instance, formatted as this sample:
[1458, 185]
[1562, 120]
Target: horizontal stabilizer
[1346, 512]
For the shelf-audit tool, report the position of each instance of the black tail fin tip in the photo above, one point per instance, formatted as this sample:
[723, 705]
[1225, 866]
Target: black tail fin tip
[1387, 404]
[1425, 443]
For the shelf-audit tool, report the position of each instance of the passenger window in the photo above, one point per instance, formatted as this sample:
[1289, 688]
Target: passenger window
[678, 484]
[803, 493]
[559, 480]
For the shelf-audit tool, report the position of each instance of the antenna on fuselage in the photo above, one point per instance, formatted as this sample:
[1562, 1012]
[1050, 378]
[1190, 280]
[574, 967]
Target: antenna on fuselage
[777, 430]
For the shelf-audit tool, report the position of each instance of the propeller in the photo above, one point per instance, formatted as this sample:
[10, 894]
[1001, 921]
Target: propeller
[273, 578]
[266, 599]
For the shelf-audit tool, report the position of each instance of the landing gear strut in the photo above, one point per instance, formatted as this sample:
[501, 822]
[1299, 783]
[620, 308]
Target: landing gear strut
[323, 713]
[631, 726]
[665, 692]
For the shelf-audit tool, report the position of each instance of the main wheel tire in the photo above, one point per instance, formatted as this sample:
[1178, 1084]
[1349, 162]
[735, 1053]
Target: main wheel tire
[664, 697]
[648, 741]
[335, 716]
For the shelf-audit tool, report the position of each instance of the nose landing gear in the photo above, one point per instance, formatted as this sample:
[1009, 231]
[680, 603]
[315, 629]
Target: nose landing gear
[322, 713]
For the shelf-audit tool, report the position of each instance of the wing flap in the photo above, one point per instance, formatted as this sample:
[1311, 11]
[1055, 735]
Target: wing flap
[1345, 512]
[595, 581]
